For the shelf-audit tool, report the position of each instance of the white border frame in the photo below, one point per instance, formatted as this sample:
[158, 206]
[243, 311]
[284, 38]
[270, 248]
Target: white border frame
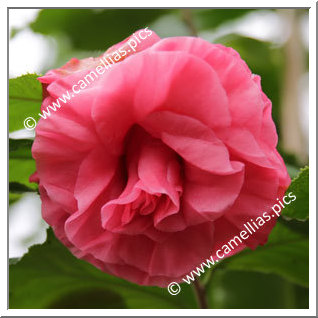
[312, 161]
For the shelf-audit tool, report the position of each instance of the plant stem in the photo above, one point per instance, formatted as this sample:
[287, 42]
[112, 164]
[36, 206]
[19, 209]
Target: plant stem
[200, 294]
[187, 19]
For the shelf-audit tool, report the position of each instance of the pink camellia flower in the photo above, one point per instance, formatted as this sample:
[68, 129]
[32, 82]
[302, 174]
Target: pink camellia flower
[160, 161]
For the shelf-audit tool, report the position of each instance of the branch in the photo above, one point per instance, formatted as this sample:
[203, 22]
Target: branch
[200, 294]
[188, 20]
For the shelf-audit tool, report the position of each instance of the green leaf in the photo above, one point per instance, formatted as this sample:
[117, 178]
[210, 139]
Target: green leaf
[89, 29]
[89, 298]
[16, 187]
[20, 171]
[21, 166]
[49, 276]
[299, 209]
[286, 254]
[14, 197]
[13, 260]
[298, 226]
[15, 144]
[230, 289]
[213, 18]
[25, 97]
[292, 170]
[20, 148]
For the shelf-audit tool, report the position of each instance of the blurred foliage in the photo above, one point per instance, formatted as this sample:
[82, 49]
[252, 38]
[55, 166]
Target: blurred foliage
[245, 289]
[273, 276]
[20, 148]
[90, 29]
[16, 187]
[209, 19]
[20, 171]
[96, 30]
[14, 197]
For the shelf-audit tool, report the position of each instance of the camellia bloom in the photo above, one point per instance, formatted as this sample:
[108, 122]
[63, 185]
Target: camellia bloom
[160, 161]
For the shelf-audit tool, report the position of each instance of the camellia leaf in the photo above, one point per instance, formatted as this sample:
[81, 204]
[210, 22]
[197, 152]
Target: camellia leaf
[14, 197]
[286, 254]
[20, 171]
[292, 170]
[13, 260]
[25, 97]
[301, 227]
[20, 148]
[16, 187]
[21, 166]
[15, 144]
[49, 276]
[229, 289]
[299, 209]
[106, 27]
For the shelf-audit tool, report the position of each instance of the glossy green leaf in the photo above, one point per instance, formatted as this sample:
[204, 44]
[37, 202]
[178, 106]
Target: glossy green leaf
[299, 209]
[49, 274]
[25, 96]
[286, 254]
